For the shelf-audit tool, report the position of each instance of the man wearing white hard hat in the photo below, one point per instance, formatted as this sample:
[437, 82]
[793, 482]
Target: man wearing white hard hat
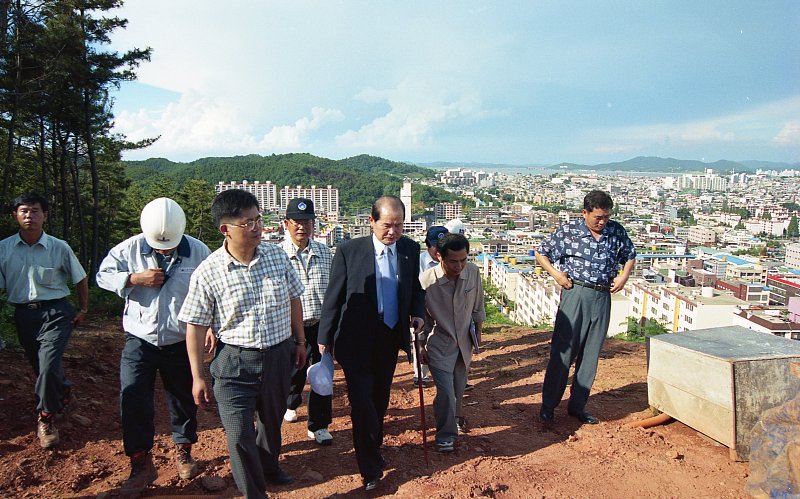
[151, 272]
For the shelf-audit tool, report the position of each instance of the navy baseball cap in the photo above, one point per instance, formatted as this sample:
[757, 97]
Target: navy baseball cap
[435, 233]
[300, 209]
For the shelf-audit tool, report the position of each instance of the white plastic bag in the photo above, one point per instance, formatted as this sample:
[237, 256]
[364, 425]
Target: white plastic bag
[320, 375]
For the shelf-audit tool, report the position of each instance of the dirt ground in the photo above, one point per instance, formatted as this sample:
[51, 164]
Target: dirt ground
[505, 454]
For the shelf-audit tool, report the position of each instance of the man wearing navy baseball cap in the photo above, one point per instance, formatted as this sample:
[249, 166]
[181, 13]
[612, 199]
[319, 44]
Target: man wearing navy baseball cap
[312, 262]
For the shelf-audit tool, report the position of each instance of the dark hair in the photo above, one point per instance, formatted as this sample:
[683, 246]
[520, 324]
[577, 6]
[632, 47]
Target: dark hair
[30, 198]
[597, 199]
[229, 204]
[452, 242]
[381, 201]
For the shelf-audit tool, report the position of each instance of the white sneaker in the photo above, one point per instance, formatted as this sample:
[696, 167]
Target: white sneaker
[290, 416]
[322, 436]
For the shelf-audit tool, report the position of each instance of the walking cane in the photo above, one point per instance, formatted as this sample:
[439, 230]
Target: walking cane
[421, 398]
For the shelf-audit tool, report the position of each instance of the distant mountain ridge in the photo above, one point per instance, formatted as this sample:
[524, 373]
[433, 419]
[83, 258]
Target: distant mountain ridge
[639, 164]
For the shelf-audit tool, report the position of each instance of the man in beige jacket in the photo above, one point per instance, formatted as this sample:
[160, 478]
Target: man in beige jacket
[453, 299]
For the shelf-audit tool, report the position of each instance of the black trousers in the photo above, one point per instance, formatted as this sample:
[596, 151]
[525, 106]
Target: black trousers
[319, 406]
[137, 376]
[44, 334]
[369, 382]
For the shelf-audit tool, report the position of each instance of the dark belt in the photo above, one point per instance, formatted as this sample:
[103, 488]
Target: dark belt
[591, 285]
[36, 305]
[253, 349]
[310, 322]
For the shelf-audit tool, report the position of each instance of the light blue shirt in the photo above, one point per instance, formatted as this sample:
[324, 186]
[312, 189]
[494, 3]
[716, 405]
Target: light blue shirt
[380, 248]
[151, 314]
[37, 272]
[426, 262]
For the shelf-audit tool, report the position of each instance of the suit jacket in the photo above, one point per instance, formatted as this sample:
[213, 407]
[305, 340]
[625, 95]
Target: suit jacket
[350, 320]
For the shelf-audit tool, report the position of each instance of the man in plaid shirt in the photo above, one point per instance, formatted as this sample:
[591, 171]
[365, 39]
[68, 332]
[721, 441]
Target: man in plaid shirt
[312, 262]
[249, 294]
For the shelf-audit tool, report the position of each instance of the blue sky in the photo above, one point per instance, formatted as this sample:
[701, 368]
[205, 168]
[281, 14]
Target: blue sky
[517, 82]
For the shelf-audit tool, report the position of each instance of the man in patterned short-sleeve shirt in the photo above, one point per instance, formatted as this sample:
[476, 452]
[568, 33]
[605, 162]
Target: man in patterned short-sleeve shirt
[249, 294]
[583, 257]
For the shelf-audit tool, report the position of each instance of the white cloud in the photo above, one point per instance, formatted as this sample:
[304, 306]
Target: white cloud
[197, 125]
[789, 135]
[756, 125]
[295, 137]
[416, 110]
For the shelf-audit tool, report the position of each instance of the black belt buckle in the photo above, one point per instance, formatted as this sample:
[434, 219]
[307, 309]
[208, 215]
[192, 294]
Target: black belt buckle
[591, 285]
[36, 305]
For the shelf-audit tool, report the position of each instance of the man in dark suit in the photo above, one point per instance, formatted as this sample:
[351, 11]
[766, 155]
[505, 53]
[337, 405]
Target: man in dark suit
[374, 296]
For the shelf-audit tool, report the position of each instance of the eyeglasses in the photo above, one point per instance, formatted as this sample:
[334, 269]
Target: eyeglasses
[298, 223]
[251, 225]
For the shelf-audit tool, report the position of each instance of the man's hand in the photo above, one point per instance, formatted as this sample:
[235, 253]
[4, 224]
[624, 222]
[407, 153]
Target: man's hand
[618, 283]
[563, 280]
[211, 341]
[423, 355]
[299, 356]
[80, 315]
[417, 323]
[200, 392]
[150, 278]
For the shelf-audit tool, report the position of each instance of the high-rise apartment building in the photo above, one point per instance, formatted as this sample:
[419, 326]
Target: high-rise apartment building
[266, 193]
[326, 199]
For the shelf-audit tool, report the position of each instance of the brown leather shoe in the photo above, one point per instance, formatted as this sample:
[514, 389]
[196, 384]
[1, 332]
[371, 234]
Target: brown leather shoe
[143, 473]
[46, 431]
[187, 467]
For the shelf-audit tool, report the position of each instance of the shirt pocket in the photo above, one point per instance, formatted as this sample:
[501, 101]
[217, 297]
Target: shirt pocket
[274, 292]
[46, 277]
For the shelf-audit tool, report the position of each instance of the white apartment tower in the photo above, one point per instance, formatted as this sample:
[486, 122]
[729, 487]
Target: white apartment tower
[326, 199]
[266, 193]
[405, 197]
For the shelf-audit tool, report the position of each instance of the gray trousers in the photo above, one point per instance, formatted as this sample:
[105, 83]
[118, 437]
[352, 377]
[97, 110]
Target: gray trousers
[44, 334]
[447, 405]
[250, 383]
[580, 330]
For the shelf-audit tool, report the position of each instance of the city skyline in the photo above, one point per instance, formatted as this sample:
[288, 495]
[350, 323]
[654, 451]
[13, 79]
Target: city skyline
[534, 83]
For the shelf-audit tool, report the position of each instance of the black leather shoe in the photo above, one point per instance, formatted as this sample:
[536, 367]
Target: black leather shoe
[546, 416]
[371, 484]
[584, 417]
[279, 477]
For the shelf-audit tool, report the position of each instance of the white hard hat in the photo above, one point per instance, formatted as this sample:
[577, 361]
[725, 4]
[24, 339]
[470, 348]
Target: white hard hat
[455, 226]
[163, 223]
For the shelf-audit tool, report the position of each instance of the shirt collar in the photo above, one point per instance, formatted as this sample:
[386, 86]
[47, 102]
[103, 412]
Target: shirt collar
[44, 240]
[292, 249]
[585, 232]
[441, 277]
[184, 249]
[379, 246]
[233, 262]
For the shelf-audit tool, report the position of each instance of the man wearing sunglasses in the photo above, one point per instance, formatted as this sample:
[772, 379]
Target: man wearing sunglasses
[151, 271]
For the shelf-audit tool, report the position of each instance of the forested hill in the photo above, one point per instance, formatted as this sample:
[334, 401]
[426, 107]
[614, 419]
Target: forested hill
[360, 179]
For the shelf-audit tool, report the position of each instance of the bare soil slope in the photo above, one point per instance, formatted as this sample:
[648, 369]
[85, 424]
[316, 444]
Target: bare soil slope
[505, 454]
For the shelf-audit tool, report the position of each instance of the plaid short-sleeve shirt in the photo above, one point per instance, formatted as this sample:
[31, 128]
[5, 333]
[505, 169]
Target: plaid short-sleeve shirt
[575, 251]
[245, 305]
[314, 274]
